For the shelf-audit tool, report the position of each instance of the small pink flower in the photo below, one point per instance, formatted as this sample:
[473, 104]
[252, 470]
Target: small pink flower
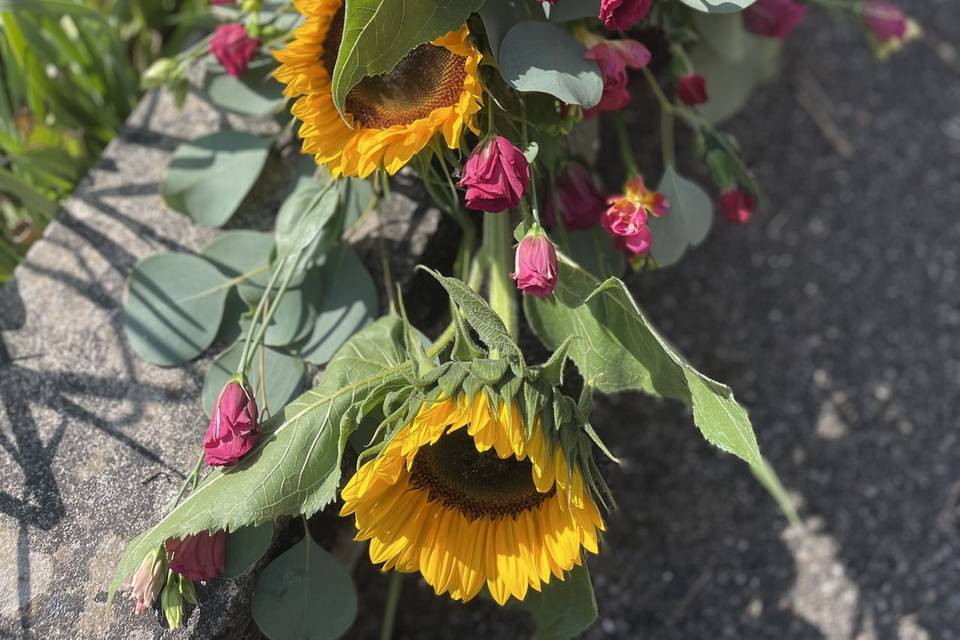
[198, 557]
[147, 580]
[626, 217]
[620, 15]
[885, 20]
[496, 176]
[614, 57]
[692, 89]
[233, 48]
[233, 428]
[535, 268]
[580, 201]
[774, 18]
[736, 205]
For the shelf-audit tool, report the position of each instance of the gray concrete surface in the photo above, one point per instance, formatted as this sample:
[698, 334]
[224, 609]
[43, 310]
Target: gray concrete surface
[834, 316]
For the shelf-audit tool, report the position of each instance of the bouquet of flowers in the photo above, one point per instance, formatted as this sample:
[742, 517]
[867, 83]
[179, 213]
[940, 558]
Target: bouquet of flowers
[455, 456]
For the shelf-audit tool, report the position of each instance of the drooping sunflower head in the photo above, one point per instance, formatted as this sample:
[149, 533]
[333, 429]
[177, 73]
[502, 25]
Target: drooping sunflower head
[390, 117]
[473, 492]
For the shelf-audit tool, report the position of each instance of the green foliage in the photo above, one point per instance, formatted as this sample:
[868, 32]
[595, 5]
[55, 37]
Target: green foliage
[304, 594]
[378, 34]
[245, 546]
[687, 223]
[718, 6]
[253, 93]
[282, 376]
[563, 610]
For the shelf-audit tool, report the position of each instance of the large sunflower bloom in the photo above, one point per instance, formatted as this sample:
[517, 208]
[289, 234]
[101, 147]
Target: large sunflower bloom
[390, 117]
[468, 497]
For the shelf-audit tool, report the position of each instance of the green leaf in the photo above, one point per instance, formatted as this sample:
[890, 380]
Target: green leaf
[718, 6]
[173, 307]
[348, 301]
[563, 610]
[378, 34]
[593, 249]
[244, 257]
[499, 17]
[304, 214]
[305, 594]
[724, 33]
[283, 375]
[293, 319]
[245, 546]
[568, 10]
[687, 223]
[209, 177]
[539, 56]
[618, 347]
[253, 93]
[295, 467]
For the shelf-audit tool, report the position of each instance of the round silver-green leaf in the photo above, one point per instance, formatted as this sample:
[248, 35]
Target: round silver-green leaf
[687, 223]
[245, 546]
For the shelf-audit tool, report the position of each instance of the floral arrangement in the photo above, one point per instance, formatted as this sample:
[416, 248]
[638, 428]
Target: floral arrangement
[454, 456]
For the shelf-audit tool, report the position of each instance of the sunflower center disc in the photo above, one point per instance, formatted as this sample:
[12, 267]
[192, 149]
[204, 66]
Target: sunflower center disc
[428, 78]
[479, 485]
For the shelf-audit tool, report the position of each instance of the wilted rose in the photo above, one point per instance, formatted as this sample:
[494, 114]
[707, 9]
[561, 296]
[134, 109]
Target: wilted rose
[147, 580]
[736, 205]
[620, 15]
[774, 18]
[578, 197]
[233, 48]
[496, 176]
[199, 556]
[692, 89]
[626, 217]
[614, 57]
[233, 428]
[535, 267]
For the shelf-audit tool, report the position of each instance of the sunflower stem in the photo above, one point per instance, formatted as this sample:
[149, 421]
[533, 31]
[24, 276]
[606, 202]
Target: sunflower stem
[390, 610]
[496, 239]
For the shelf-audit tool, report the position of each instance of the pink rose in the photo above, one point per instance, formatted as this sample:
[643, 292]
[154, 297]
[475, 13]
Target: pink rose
[774, 18]
[233, 48]
[692, 89]
[535, 268]
[614, 57]
[233, 428]
[736, 205]
[620, 15]
[581, 203]
[496, 176]
[885, 20]
[198, 557]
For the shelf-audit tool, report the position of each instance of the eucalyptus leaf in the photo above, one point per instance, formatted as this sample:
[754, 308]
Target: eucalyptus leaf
[724, 33]
[294, 468]
[244, 257]
[563, 609]
[253, 93]
[686, 224]
[174, 305]
[540, 56]
[304, 214]
[209, 177]
[244, 547]
[568, 10]
[718, 6]
[304, 594]
[292, 319]
[378, 35]
[499, 17]
[283, 375]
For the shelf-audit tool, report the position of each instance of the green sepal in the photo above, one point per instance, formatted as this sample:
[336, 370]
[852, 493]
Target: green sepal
[509, 389]
[488, 371]
[452, 380]
[552, 370]
[187, 591]
[171, 601]
[422, 363]
[592, 434]
[464, 348]
[472, 385]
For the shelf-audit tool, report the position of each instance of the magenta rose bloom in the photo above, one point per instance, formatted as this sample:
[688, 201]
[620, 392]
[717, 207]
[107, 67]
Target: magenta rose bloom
[233, 428]
[581, 203]
[496, 176]
[620, 15]
[774, 18]
[692, 89]
[535, 267]
[614, 57]
[233, 48]
[198, 557]
[626, 217]
[885, 20]
[736, 205]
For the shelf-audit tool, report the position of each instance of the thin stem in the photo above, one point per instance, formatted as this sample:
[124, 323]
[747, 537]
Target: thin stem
[667, 146]
[623, 139]
[291, 268]
[441, 343]
[496, 229]
[190, 479]
[390, 610]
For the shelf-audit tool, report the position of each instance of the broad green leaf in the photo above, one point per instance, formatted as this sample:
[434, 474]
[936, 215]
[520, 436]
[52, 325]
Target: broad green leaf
[499, 17]
[540, 56]
[567, 10]
[593, 249]
[378, 34]
[283, 375]
[618, 348]
[687, 223]
[718, 6]
[173, 307]
[295, 466]
[243, 256]
[347, 301]
[253, 93]
[724, 32]
[245, 546]
[209, 177]
[304, 594]
[563, 610]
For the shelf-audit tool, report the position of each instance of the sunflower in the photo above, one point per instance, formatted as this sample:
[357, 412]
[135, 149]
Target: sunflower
[468, 496]
[388, 118]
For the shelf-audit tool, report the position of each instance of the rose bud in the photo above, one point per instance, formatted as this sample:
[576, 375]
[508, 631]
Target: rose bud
[535, 267]
[496, 176]
[736, 205]
[233, 48]
[692, 89]
[199, 556]
[148, 579]
[620, 15]
[581, 203]
[885, 20]
[233, 428]
[613, 57]
[774, 18]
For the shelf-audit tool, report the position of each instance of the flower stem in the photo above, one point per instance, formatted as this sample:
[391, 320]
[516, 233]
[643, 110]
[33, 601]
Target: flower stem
[390, 610]
[496, 238]
[623, 139]
[666, 120]
[290, 265]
